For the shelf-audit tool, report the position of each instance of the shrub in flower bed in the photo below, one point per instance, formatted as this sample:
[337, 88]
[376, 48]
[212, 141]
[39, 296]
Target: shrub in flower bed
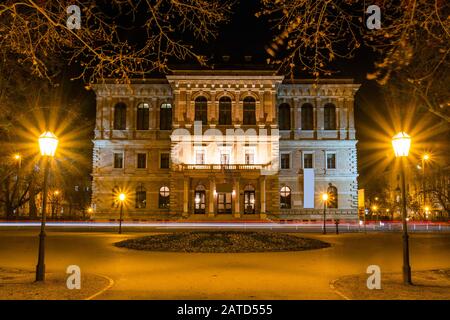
[222, 241]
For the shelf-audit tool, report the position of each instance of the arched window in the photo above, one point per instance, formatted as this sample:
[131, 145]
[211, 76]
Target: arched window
[200, 199]
[164, 197]
[249, 111]
[141, 197]
[165, 116]
[225, 111]
[329, 116]
[307, 117]
[285, 198]
[120, 116]
[284, 116]
[332, 196]
[142, 116]
[201, 110]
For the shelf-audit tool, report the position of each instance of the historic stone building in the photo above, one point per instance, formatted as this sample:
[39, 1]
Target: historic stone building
[238, 144]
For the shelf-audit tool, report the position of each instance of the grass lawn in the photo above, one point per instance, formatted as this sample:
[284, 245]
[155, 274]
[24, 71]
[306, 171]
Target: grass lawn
[222, 242]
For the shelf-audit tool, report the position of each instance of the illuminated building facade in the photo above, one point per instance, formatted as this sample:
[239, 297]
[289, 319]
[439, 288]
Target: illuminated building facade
[237, 144]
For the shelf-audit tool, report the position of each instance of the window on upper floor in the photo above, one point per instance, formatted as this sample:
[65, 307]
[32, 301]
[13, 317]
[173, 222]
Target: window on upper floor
[120, 116]
[118, 160]
[201, 110]
[307, 114]
[165, 116]
[329, 117]
[249, 157]
[308, 161]
[225, 111]
[142, 116]
[249, 109]
[284, 116]
[164, 161]
[141, 160]
[200, 157]
[224, 157]
[331, 160]
[285, 162]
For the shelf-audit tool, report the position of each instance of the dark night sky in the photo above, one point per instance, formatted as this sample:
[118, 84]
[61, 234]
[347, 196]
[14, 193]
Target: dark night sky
[248, 35]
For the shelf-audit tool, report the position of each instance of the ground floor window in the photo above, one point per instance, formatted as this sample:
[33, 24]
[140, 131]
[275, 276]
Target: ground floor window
[164, 197]
[224, 202]
[285, 198]
[141, 197]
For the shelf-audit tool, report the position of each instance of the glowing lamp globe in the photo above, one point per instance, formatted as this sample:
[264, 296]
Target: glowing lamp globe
[122, 197]
[48, 143]
[325, 196]
[401, 143]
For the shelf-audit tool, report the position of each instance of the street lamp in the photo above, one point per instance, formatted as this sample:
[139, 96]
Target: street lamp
[401, 143]
[122, 198]
[48, 143]
[324, 199]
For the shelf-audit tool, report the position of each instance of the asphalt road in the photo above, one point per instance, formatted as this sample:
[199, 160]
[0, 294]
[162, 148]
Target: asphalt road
[289, 275]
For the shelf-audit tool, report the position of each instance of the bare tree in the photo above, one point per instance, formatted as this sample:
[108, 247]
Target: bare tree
[36, 30]
[412, 45]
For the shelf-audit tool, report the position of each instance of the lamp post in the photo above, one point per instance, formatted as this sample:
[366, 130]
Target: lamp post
[122, 198]
[401, 143]
[425, 158]
[374, 210]
[18, 158]
[47, 145]
[325, 199]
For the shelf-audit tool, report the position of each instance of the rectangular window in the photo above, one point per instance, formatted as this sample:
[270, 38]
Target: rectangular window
[307, 161]
[142, 160]
[285, 161]
[249, 158]
[200, 157]
[331, 161]
[118, 160]
[224, 158]
[164, 160]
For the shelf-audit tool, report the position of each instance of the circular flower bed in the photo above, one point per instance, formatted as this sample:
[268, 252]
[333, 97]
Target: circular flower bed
[222, 241]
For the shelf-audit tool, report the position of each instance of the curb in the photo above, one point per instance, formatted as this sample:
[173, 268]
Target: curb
[333, 287]
[111, 283]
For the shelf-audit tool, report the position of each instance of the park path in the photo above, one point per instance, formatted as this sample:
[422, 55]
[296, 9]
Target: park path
[287, 275]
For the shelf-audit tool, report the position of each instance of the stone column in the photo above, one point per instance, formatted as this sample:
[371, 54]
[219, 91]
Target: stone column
[212, 188]
[237, 206]
[262, 196]
[186, 197]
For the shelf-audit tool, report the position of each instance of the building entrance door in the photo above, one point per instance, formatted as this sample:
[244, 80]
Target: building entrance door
[199, 202]
[249, 199]
[224, 202]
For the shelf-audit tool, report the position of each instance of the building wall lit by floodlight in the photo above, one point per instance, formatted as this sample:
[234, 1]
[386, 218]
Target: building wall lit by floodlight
[242, 143]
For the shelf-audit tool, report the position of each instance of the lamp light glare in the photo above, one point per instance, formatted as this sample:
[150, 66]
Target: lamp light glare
[48, 143]
[401, 143]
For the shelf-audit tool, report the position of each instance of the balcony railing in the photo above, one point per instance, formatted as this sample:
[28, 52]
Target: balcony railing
[222, 167]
